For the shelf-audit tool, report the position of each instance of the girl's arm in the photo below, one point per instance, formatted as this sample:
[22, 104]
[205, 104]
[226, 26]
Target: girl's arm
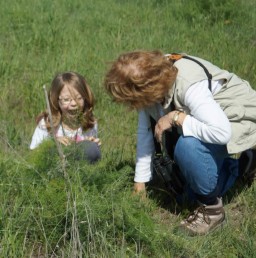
[94, 135]
[40, 134]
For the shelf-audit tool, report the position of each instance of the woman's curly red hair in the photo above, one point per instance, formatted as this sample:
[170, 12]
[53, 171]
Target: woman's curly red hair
[140, 79]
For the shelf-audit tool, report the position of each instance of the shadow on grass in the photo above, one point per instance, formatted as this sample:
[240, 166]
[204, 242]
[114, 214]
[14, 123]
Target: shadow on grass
[239, 187]
[183, 204]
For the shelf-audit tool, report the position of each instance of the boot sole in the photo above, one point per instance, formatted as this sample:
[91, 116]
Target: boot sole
[187, 232]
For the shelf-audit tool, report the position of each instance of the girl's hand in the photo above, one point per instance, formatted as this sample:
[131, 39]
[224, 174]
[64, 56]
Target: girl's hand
[93, 139]
[64, 140]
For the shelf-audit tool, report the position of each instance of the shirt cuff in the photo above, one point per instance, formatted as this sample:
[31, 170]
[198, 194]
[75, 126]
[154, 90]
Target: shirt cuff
[143, 170]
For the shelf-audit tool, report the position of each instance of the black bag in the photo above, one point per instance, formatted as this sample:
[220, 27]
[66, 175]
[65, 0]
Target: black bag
[168, 171]
[164, 167]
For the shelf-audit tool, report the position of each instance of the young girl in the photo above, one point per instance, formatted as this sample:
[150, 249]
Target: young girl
[71, 102]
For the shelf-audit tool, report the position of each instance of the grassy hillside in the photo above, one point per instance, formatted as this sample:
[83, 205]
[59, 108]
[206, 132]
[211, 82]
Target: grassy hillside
[89, 211]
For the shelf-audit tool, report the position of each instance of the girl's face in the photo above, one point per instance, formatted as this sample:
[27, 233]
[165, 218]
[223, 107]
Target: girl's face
[70, 99]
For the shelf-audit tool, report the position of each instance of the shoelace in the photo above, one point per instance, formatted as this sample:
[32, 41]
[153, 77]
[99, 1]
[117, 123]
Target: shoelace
[195, 215]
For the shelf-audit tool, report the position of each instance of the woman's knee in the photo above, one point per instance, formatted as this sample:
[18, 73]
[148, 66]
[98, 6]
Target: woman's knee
[186, 149]
[196, 164]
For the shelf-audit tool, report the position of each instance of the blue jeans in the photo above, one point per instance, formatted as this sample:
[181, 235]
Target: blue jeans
[206, 168]
[87, 150]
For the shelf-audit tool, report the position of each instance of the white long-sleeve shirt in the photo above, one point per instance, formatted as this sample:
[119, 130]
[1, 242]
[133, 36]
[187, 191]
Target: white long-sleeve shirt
[41, 134]
[206, 122]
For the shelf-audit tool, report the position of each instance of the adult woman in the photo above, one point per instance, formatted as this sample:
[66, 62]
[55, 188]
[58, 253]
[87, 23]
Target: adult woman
[213, 109]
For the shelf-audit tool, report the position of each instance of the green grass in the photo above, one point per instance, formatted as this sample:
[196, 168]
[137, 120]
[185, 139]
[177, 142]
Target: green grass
[90, 211]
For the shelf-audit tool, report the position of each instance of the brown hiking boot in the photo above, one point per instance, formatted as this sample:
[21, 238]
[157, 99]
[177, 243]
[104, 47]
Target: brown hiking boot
[204, 219]
[247, 165]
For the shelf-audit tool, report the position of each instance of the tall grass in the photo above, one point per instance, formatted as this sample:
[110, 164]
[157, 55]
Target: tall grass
[90, 211]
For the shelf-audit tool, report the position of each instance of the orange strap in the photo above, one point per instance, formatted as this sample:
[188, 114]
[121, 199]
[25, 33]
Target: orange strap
[175, 57]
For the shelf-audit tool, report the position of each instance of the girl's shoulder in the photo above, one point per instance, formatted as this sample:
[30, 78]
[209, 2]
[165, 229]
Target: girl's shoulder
[90, 132]
[95, 126]
[42, 124]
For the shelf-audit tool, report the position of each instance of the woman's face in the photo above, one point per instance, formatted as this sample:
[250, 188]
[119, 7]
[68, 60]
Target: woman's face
[70, 99]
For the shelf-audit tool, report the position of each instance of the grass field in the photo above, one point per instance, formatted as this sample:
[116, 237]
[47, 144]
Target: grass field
[90, 211]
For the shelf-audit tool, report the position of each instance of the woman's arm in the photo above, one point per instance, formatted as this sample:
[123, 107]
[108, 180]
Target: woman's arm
[207, 121]
[145, 149]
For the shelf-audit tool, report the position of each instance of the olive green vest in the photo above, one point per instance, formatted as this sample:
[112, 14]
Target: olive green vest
[236, 98]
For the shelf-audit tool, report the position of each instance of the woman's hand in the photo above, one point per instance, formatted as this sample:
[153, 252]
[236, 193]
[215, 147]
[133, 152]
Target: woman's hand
[164, 123]
[140, 189]
[174, 118]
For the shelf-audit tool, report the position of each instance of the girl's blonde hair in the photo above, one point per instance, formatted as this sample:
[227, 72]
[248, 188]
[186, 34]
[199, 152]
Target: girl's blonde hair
[79, 83]
[141, 78]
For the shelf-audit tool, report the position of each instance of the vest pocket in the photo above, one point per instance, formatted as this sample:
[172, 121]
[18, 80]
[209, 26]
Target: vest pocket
[234, 112]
